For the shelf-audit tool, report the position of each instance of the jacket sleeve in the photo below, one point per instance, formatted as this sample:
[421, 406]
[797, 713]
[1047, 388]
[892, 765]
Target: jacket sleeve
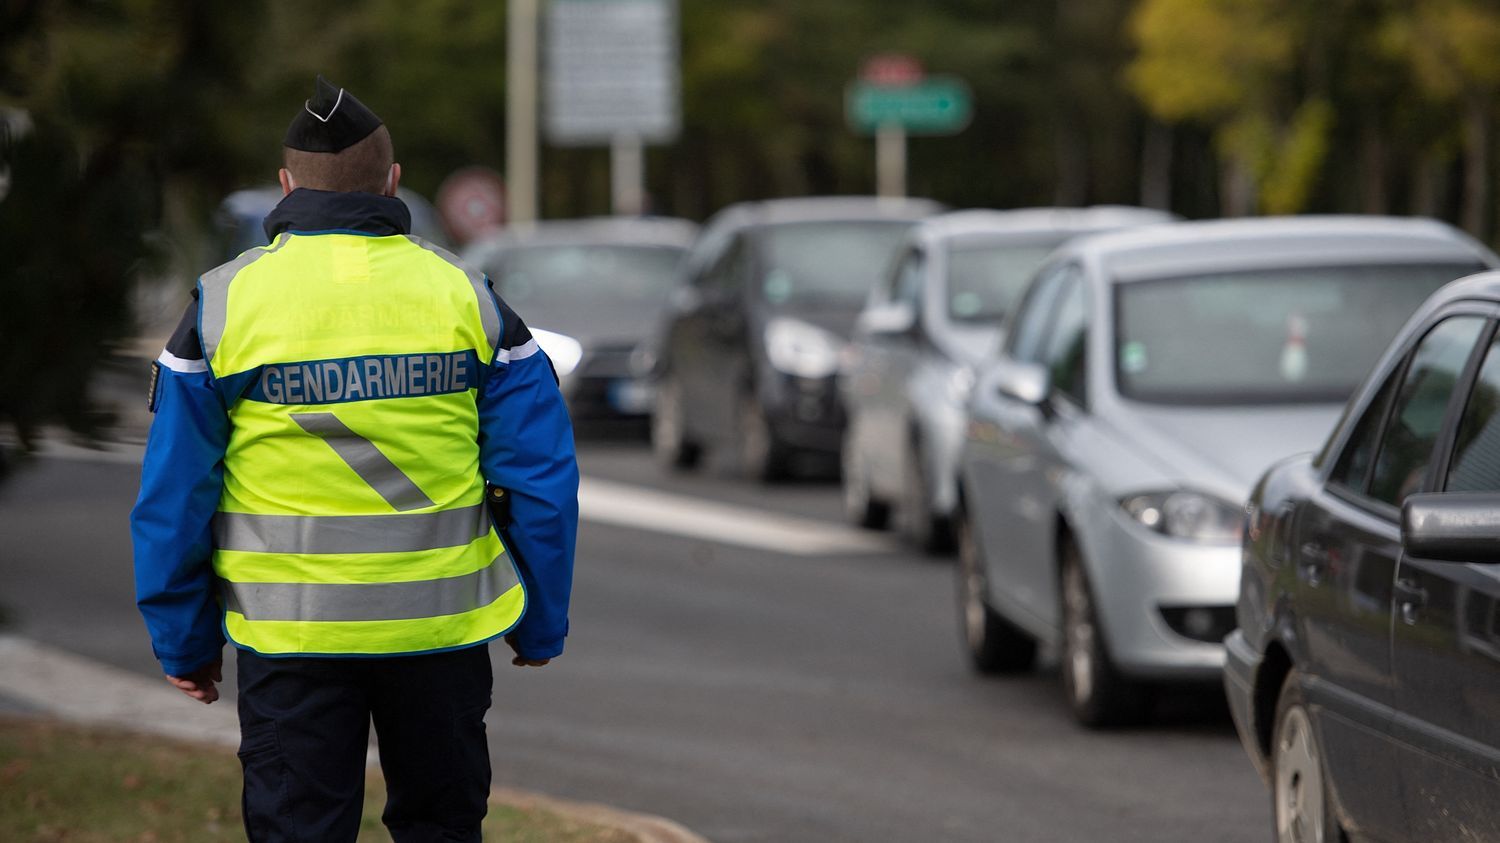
[181, 481]
[526, 448]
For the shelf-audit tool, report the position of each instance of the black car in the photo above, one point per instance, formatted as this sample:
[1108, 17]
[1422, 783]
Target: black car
[756, 334]
[1365, 676]
[592, 291]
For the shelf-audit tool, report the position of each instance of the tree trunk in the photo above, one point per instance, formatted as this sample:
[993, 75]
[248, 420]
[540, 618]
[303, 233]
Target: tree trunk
[1072, 187]
[1156, 166]
[1427, 186]
[1374, 166]
[1236, 188]
[1476, 165]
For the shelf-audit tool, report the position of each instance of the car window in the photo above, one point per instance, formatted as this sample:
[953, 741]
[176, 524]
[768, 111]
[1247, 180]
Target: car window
[1352, 470]
[906, 280]
[1417, 416]
[1027, 333]
[1476, 451]
[1067, 339]
[727, 273]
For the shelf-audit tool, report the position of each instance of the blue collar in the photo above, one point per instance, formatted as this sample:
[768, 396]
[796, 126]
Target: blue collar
[307, 211]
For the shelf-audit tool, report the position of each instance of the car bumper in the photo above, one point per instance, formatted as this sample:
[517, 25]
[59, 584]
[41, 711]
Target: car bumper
[1165, 604]
[1241, 664]
[605, 385]
[805, 413]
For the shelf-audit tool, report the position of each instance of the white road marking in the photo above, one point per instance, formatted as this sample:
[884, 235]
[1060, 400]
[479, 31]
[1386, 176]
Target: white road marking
[641, 508]
[637, 507]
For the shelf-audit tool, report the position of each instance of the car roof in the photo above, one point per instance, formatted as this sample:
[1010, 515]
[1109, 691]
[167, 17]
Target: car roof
[1266, 242]
[1481, 286]
[824, 209]
[667, 232]
[1031, 222]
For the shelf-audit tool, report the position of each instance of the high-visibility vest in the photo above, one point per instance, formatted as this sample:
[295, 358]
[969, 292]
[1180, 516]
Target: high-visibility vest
[353, 517]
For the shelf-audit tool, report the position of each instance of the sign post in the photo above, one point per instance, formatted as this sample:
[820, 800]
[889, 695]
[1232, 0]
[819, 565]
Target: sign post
[613, 79]
[520, 109]
[894, 99]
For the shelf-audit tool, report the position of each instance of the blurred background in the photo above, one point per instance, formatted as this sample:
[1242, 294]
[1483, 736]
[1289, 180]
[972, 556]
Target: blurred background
[126, 123]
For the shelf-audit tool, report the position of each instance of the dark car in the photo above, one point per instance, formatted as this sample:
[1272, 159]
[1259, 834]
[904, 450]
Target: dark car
[756, 334]
[592, 291]
[242, 216]
[1365, 676]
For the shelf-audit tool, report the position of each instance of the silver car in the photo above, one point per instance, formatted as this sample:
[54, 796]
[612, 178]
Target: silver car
[908, 370]
[1146, 380]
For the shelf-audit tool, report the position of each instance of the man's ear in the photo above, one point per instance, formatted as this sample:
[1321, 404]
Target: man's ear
[287, 183]
[393, 180]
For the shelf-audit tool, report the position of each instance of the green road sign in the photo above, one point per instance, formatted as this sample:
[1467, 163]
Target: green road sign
[937, 105]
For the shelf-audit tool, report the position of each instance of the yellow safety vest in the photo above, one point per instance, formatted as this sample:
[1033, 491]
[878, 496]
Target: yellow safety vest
[353, 520]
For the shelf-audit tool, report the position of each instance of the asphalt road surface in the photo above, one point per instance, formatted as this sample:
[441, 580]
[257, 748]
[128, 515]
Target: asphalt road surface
[724, 677]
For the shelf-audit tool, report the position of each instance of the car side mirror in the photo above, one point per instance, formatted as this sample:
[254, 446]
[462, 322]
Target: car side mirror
[1452, 527]
[888, 320]
[1029, 383]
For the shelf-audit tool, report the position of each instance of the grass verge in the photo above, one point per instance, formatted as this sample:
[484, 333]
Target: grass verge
[68, 783]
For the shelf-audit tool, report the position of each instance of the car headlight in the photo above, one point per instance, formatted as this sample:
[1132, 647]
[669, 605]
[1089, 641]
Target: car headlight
[1187, 515]
[800, 349]
[960, 385]
[562, 350]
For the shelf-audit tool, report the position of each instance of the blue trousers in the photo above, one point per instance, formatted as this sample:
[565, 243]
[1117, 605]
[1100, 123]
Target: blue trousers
[304, 734]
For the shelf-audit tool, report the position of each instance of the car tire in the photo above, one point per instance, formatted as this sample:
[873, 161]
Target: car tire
[761, 457]
[669, 437]
[1301, 809]
[861, 506]
[927, 531]
[993, 644]
[1098, 694]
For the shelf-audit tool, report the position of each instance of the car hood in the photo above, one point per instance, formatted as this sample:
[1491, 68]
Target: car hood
[971, 345]
[622, 323]
[1224, 450]
[834, 319]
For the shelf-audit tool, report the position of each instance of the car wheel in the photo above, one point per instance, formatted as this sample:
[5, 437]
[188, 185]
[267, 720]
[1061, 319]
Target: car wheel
[669, 439]
[1097, 693]
[993, 644]
[761, 457]
[1299, 791]
[861, 506]
[931, 533]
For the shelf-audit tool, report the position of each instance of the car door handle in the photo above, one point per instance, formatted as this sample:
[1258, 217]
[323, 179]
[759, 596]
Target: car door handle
[1312, 561]
[1410, 598]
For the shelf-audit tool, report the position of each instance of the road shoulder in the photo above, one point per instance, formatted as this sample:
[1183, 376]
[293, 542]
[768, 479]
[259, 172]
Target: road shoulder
[36, 679]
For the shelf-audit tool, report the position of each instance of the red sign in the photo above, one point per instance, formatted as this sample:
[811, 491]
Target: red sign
[893, 70]
[471, 202]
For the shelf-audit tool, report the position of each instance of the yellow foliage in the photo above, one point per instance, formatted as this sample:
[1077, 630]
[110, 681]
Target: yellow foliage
[1453, 46]
[1206, 59]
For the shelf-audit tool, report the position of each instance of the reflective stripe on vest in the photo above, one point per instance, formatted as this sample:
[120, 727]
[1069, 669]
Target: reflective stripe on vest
[371, 601]
[352, 519]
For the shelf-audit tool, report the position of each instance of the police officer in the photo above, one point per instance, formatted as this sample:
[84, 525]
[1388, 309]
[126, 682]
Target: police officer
[327, 415]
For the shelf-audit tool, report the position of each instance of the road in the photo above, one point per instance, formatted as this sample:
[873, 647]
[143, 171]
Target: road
[753, 694]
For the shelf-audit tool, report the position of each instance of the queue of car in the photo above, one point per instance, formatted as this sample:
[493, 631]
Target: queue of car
[1082, 401]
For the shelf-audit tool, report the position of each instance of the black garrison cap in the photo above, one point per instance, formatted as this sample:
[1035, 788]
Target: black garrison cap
[333, 120]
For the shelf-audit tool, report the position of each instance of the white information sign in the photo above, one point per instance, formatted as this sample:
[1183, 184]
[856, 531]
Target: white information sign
[612, 71]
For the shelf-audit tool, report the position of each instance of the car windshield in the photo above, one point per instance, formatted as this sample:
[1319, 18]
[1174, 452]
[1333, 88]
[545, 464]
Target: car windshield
[563, 274]
[984, 282]
[828, 263]
[1307, 335]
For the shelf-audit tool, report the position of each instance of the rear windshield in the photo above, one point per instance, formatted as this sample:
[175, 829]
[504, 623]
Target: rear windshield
[827, 263]
[1306, 335]
[559, 274]
[984, 282]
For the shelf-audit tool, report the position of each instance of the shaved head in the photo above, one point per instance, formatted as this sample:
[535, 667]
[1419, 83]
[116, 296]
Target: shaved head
[364, 166]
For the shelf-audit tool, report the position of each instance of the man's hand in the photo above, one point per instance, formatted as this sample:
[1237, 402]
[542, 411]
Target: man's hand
[201, 684]
[520, 660]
